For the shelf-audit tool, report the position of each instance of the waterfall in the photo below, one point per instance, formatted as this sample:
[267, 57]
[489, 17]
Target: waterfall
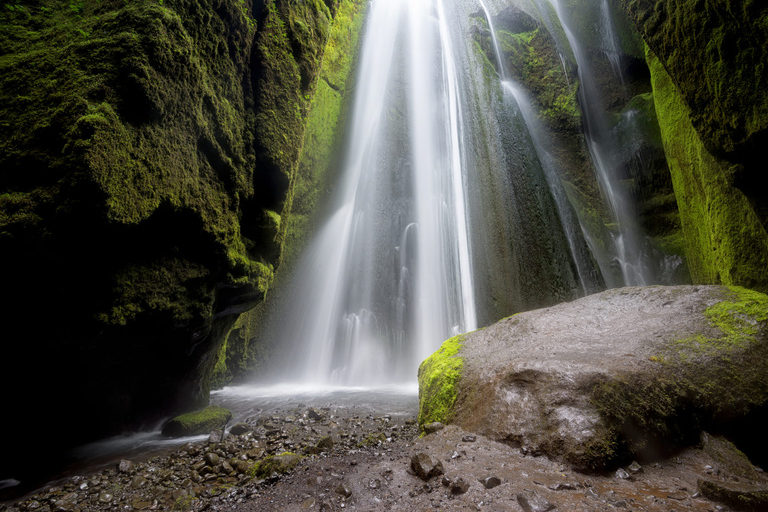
[630, 249]
[389, 277]
[447, 214]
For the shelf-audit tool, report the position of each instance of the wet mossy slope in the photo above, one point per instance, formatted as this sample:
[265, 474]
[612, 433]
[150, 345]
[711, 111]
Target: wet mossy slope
[147, 153]
[707, 60]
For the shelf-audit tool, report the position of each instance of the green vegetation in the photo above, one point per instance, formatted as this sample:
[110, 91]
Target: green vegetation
[725, 240]
[198, 422]
[318, 161]
[279, 464]
[438, 375]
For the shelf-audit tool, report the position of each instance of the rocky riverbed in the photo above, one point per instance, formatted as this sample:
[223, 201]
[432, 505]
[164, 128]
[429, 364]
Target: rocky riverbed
[326, 459]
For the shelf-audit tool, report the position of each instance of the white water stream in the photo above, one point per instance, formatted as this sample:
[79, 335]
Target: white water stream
[388, 278]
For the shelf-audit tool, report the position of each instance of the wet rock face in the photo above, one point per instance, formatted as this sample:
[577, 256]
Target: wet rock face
[614, 374]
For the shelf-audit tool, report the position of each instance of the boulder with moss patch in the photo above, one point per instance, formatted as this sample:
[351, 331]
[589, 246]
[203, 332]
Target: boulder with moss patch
[623, 373]
[198, 422]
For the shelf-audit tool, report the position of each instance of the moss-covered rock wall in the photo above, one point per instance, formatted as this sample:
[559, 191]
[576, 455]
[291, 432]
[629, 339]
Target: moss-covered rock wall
[148, 157]
[707, 60]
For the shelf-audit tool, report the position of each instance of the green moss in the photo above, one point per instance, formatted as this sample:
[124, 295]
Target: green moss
[279, 464]
[438, 375]
[724, 238]
[198, 422]
[716, 58]
[372, 439]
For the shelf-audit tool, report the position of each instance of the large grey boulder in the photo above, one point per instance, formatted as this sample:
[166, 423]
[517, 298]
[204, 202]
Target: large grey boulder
[625, 372]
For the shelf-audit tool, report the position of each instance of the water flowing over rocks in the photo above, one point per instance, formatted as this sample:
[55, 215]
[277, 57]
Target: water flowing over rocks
[633, 371]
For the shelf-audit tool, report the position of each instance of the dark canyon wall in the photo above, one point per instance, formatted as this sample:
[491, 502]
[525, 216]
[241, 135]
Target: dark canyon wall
[148, 162]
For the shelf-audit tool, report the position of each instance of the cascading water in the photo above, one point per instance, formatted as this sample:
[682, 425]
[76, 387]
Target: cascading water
[389, 276]
[630, 248]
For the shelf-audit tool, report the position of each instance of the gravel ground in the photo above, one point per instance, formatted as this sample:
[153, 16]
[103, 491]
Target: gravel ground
[367, 466]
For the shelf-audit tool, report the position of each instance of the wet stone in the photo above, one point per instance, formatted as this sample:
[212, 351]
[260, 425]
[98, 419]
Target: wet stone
[635, 467]
[216, 436]
[240, 428]
[138, 482]
[532, 501]
[431, 428]
[469, 438]
[490, 482]
[424, 467]
[622, 474]
[211, 459]
[459, 485]
[125, 466]
[325, 443]
[344, 490]
[105, 497]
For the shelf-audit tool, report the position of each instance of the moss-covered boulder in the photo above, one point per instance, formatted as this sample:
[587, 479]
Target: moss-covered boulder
[275, 465]
[625, 373]
[198, 422]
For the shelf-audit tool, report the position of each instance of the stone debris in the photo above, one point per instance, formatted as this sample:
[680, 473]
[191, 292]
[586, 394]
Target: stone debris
[424, 467]
[531, 501]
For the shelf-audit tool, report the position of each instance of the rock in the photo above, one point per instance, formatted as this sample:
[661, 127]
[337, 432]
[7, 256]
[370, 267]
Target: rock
[344, 490]
[276, 465]
[325, 443]
[138, 481]
[240, 428]
[241, 466]
[607, 376]
[730, 458]
[739, 497]
[211, 459]
[469, 438]
[314, 414]
[308, 503]
[216, 436]
[197, 423]
[424, 467]
[431, 428]
[622, 474]
[459, 485]
[125, 466]
[67, 503]
[105, 497]
[374, 483]
[490, 482]
[531, 501]
[564, 486]
[635, 467]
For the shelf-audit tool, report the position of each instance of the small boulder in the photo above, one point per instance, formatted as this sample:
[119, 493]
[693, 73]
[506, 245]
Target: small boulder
[325, 443]
[197, 423]
[211, 459]
[424, 467]
[459, 485]
[490, 482]
[125, 466]
[431, 428]
[531, 501]
[344, 490]
[240, 428]
[276, 465]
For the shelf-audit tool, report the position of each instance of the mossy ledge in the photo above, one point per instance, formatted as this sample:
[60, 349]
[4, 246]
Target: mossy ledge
[438, 375]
